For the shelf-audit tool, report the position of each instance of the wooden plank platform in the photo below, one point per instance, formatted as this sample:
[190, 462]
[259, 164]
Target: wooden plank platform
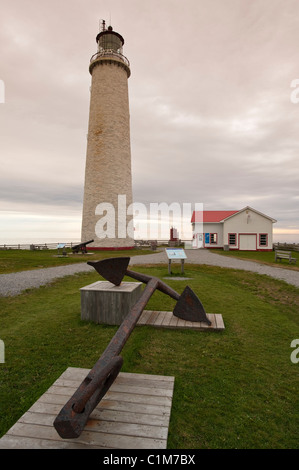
[168, 320]
[134, 414]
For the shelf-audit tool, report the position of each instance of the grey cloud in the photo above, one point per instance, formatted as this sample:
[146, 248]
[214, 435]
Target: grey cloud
[211, 117]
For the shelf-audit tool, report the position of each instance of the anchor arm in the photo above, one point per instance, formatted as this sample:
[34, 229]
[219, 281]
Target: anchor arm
[188, 306]
[161, 286]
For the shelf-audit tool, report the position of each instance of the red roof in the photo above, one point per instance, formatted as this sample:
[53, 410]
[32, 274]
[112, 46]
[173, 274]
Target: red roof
[211, 216]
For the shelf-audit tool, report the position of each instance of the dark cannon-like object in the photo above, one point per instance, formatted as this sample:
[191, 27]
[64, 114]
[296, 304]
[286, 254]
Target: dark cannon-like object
[72, 418]
[81, 247]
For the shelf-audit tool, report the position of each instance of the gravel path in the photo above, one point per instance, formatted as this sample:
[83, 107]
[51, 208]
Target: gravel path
[213, 259]
[15, 283]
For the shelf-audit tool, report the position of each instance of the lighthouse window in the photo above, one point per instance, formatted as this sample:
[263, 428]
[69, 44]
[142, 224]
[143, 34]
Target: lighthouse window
[110, 42]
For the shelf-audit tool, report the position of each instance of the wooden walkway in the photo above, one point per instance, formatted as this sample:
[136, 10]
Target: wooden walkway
[168, 320]
[134, 414]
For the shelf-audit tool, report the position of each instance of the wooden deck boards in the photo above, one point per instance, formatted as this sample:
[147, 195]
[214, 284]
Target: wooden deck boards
[168, 320]
[134, 414]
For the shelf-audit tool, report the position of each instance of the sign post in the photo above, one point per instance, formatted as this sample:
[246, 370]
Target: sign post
[61, 246]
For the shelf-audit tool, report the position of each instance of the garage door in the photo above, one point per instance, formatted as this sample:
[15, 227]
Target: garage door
[247, 242]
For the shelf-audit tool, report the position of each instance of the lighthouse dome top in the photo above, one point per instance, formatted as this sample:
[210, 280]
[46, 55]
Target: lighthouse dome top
[110, 48]
[108, 34]
[107, 39]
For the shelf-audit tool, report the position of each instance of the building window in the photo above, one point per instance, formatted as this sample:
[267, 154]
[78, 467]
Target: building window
[213, 238]
[232, 237]
[263, 239]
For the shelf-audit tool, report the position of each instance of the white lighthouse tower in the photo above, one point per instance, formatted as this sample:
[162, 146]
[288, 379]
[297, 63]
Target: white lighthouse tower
[108, 181]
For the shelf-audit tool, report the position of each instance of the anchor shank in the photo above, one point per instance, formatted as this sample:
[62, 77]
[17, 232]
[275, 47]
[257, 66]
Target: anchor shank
[72, 418]
[121, 336]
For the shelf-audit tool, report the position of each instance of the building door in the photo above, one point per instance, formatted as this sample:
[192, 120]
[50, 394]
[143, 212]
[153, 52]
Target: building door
[197, 240]
[247, 242]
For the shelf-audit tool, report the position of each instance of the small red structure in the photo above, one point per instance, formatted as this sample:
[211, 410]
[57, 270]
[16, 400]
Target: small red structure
[174, 237]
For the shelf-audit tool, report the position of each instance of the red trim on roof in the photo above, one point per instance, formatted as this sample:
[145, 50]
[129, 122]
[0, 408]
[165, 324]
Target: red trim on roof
[211, 216]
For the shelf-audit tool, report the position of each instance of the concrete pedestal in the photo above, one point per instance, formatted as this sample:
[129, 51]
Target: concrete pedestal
[103, 302]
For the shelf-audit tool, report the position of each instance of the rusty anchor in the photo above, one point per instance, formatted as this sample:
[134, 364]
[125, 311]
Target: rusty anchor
[72, 418]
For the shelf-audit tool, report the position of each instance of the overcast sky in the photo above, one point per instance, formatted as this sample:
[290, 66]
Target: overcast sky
[212, 119]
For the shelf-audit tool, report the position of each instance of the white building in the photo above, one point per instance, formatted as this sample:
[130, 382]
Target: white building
[246, 229]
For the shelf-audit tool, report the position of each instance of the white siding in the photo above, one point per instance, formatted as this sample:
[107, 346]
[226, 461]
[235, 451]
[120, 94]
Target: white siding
[248, 222]
[211, 228]
[252, 231]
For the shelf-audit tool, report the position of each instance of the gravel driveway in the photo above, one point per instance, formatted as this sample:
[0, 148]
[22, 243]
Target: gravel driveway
[213, 259]
[15, 283]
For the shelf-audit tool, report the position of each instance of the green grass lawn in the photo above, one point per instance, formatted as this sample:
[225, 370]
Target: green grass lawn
[233, 389]
[22, 260]
[265, 257]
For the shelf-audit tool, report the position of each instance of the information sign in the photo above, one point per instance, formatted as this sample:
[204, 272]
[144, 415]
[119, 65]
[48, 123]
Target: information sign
[173, 254]
[176, 253]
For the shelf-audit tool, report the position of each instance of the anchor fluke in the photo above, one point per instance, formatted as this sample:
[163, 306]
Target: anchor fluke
[112, 269]
[190, 308]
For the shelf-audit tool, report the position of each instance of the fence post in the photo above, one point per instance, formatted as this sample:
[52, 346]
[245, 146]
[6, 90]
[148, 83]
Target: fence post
[2, 352]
